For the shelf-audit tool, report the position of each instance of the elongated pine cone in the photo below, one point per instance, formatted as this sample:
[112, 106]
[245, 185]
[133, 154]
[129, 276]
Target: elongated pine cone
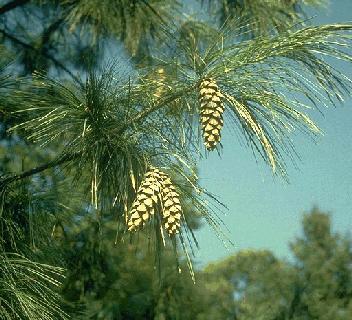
[146, 200]
[156, 188]
[211, 112]
[172, 209]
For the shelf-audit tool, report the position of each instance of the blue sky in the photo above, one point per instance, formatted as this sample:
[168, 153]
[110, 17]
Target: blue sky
[266, 212]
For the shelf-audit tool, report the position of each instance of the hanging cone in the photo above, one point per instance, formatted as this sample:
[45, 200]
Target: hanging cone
[172, 209]
[156, 186]
[211, 112]
[143, 206]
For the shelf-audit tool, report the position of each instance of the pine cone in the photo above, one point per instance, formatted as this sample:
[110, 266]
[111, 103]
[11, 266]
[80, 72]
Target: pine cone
[171, 207]
[156, 188]
[147, 198]
[211, 112]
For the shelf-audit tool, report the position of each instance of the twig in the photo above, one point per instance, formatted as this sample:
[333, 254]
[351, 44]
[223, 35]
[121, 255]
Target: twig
[12, 5]
[9, 178]
[43, 53]
[143, 114]
[51, 29]
[4, 180]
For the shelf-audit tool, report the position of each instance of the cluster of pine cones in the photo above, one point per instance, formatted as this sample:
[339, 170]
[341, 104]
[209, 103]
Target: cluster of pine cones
[211, 112]
[156, 192]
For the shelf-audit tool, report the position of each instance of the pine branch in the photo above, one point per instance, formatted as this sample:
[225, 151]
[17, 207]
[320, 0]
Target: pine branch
[12, 5]
[28, 289]
[43, 53]
[146, 2]
[51, 29]
[145, 113]
[9, 178]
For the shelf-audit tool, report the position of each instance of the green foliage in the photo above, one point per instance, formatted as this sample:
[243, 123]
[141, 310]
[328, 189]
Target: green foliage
[324, 260]
[317, 285]
[108, 281]
[263, 90]
[26, 289]
[263, 17]
[107, 142]
[118, 281]
[74, 150]
[253, 86]
[131, 21]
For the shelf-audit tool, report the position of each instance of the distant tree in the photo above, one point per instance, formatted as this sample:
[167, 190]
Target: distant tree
[317, 285]
[324, 265]
[108, 281]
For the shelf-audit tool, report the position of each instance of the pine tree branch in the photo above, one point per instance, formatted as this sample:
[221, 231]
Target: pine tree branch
[12, 5]
[145, 113]
[51, 29]
[9, 178]
[146, 2]
[43, 53]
